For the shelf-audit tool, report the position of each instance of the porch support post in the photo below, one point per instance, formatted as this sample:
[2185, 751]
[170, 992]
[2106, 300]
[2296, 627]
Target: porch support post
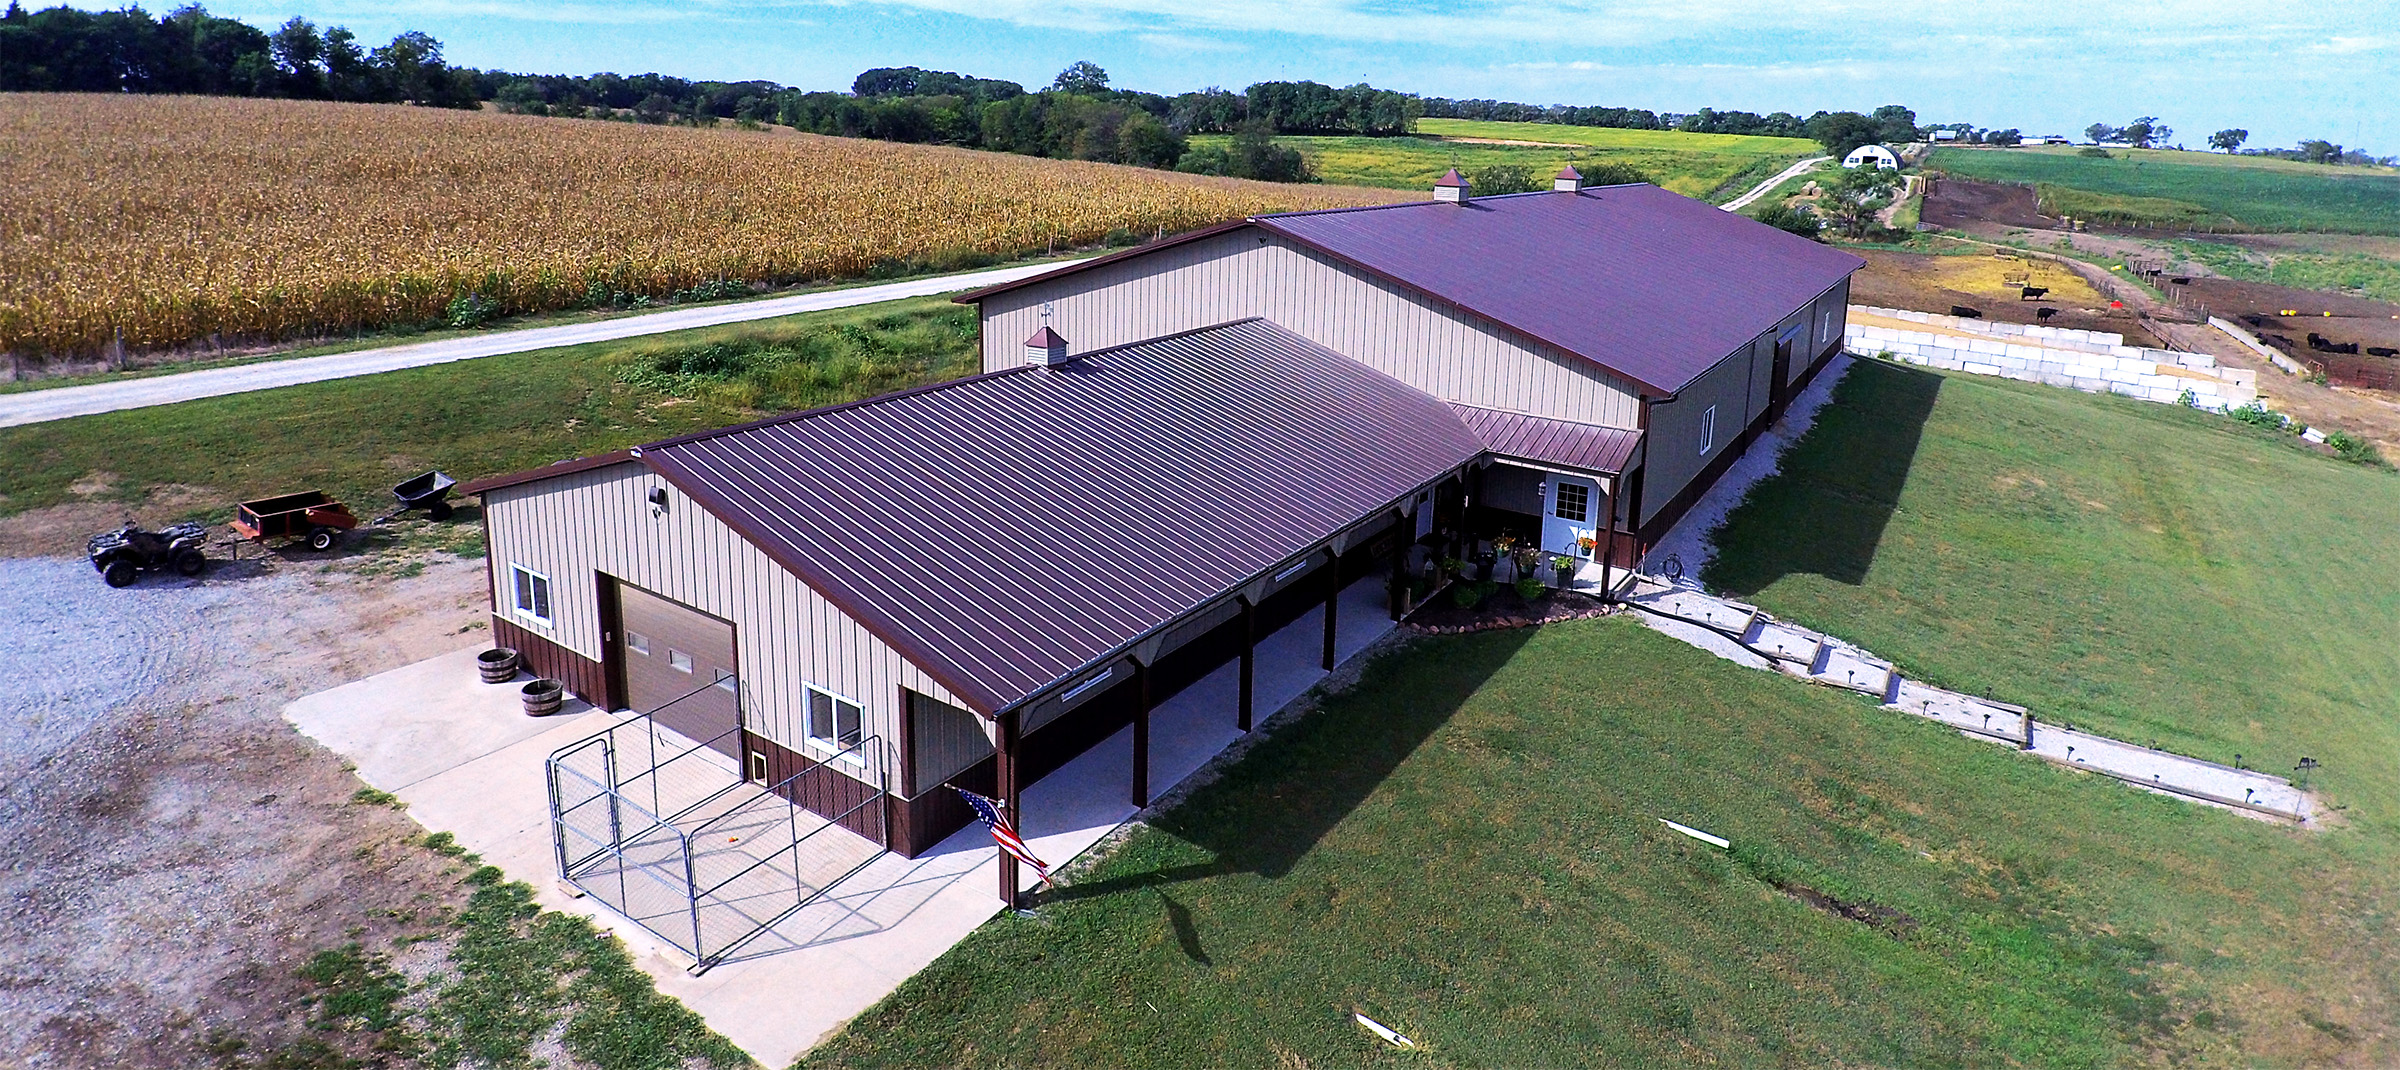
[1141, 735]
[1333, 600]
[1249, 659]
[1011, 800]
[1608, 547]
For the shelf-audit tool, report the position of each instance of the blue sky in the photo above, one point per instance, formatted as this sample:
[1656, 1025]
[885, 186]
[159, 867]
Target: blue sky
[2283, 70]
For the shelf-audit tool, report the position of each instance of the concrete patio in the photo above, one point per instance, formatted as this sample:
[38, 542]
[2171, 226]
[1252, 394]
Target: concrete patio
[468, 762]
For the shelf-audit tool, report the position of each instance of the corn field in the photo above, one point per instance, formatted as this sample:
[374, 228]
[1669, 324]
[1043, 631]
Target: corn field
[159, 222]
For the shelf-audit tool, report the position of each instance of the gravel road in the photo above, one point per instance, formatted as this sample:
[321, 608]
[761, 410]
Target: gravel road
[170, 850]
[59, 403]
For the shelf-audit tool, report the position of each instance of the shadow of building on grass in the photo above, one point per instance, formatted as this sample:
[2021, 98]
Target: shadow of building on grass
[1280, 800]
[1825, 512]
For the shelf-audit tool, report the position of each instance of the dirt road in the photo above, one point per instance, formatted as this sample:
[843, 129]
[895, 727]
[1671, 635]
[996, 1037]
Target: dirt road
[173, 851]
[58, 403]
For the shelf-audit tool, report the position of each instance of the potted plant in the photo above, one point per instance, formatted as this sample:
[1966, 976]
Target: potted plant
[1451, 569]
[1565, 567]
[1528, 559]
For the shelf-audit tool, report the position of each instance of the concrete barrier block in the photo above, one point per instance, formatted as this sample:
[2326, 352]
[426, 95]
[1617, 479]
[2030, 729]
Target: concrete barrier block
[2090, 384]
[1980, 368]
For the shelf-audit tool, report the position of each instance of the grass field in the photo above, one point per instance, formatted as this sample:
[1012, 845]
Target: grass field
[357, 437]
[2148, 571]
[166, 220]
[2197, 190]
[1465, 845]
[1708, 166]
[1611, 138]
[2341, 272]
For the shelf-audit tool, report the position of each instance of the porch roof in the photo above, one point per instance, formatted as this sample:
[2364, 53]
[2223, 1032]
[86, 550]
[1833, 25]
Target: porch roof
[1587, 447]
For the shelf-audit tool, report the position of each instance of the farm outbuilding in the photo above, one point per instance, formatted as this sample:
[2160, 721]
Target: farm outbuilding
[1873, 156]
[1170, 452]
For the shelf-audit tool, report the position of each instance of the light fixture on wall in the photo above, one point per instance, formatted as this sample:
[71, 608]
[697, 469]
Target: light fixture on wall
[658, 501]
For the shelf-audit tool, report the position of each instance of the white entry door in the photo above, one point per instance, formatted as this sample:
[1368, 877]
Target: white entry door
[1570, 514]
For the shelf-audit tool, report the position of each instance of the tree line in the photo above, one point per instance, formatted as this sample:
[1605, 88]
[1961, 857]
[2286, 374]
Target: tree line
[189, 50]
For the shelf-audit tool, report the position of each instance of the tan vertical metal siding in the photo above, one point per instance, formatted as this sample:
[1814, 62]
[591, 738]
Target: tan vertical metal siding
[574, 527]
[1246, 272]
[1672, 453]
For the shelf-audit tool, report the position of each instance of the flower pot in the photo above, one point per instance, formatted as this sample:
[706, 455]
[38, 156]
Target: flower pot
[543, 697]
[1566, 577]
[498, 665]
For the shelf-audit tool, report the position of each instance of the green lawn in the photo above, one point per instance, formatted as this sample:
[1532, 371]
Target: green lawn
[2198, 189]
[1465, 845]
[2149, 571]
[1708, 166]
[357, 437]
[2339, 272]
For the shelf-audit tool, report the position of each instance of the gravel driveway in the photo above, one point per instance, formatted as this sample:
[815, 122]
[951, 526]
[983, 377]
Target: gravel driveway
[171, 851]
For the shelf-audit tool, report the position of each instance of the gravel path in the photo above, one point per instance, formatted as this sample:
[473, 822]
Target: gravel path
[170, 850]
[1691, 540]
[79, 648]
[58, 403]
[1760, 190]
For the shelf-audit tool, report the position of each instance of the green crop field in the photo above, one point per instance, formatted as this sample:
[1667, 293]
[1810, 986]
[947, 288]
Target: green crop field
[1611, 138]
[1466, 846]
[1707, 166]
[2197, 190]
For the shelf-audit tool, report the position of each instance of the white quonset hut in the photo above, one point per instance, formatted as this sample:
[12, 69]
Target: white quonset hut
[1171, 452]
[1874, 156]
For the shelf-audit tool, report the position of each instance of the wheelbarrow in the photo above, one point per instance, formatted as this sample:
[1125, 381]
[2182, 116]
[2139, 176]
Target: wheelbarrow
[430, 492]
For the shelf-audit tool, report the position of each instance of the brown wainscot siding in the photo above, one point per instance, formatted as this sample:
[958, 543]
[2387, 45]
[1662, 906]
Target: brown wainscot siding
[581, 676]
[831, 792]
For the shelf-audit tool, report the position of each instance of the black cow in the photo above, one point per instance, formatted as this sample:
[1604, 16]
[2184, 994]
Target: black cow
[2044, 314]
[2032, 293]
[1965, 313]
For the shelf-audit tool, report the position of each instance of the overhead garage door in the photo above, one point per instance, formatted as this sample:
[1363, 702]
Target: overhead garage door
[679, 668]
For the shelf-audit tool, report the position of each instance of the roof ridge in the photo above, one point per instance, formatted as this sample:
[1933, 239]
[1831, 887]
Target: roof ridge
[926, 388]
[821, 410]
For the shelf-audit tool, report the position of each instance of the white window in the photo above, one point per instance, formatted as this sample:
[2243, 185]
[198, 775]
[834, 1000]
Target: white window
[533, 594]
[727, 683]
[833, 721]
[678, 660]
[1708, 430]
[638, 643]
[1574, 502]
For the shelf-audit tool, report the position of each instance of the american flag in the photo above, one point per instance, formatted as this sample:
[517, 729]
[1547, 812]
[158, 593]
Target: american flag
[1003, 833]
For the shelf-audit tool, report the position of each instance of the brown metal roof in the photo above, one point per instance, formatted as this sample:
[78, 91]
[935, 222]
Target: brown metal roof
[1007, 530]
[560, 468]
[1561, 442]
[1650, 285]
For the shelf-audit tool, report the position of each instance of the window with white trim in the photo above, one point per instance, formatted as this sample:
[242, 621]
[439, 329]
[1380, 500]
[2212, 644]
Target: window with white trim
[532, 594]
[1708, 430]
[833, 721]
[1574, 502]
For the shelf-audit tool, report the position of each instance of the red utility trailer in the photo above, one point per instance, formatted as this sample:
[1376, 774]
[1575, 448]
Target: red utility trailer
[312, 516]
